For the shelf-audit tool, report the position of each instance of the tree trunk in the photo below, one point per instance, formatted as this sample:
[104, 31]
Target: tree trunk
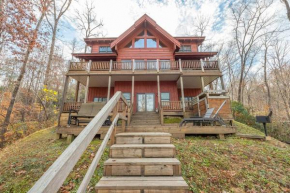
[287, 8]
[241, 82]
[266, 80]
[18, 81]
[47, 72]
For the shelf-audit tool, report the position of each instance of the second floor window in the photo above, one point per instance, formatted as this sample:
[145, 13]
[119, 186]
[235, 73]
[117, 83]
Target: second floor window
[105, 49]
[185, 48]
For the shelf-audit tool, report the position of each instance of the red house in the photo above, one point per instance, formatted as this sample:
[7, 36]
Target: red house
[154, 70]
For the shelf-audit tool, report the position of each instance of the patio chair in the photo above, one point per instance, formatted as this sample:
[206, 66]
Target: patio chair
[87, 112]
[207, 118]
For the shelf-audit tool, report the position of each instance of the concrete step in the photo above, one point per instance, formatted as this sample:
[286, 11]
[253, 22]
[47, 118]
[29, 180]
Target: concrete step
[142, 167]
[142, 150]
[142, 184]
[143, 138]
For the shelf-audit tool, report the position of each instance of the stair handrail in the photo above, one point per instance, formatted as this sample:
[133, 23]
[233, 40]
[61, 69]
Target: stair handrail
[97, 157]
[56, 174]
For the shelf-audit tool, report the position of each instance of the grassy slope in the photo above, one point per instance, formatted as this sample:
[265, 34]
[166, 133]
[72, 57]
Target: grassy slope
[208, 164]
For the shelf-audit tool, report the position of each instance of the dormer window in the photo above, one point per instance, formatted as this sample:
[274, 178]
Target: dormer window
[105, 49]
[185, 48]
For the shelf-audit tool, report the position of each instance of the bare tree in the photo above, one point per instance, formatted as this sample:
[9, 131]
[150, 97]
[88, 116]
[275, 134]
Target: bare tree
[87, 21]
[57, 14]
[250, 20]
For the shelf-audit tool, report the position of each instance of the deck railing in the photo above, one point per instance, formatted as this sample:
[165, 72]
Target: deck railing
[56, 174]
[78, 66]
[145, 65]
[169, 106]
[71, 105]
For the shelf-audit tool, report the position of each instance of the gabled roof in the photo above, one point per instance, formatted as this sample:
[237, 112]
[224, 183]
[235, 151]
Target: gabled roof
[148, 19]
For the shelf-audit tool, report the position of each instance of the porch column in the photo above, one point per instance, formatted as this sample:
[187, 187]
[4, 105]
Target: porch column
[202, 83]
[66, 82]
[182, 93]
[109, 88]
[77, 91]
[158, 90]
[222, 83]
[132, 94]
[88, 82]
[87, 89]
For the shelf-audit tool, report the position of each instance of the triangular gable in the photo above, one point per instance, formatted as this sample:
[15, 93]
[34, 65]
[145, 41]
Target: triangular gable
[144, 18]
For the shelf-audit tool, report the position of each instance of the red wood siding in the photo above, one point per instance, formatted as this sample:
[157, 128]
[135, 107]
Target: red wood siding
[147, 87]
[189, 92]
[100, 92]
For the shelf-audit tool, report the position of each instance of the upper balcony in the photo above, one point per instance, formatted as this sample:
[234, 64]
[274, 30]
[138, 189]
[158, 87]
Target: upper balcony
[146, 67]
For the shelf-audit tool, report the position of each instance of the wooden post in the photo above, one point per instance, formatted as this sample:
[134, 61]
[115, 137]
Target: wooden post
[66, 82]
[111, 64]
[88, 82]
[198, 109]
[109, 88]
[201, 65]
[123, 121]
[180, 67]
[133, 67]
[182, 93]
[222, 83]
[157, 65]
[87, 89]
[158, 89]
[132, 94]
[77, 91]
[202, 83]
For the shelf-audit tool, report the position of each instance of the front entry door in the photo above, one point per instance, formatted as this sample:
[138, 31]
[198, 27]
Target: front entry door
[145, 102]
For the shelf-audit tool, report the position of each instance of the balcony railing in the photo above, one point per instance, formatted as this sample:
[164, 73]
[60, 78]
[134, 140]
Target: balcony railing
[145, 65]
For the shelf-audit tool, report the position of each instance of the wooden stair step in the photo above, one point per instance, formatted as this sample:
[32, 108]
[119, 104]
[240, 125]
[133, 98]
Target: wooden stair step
[142, 167]
[142, 150]
[141, 184]
[143, 137]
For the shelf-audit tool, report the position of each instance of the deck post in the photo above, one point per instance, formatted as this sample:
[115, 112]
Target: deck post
[66, 82]
[222, 83]
[158, 89]
[133, 65]
[77, 91]
[180, 67]
[157, 65]
[201, 65]
[111, 64]
[109, 88]
[88, 82]
[202, 83]
[132, 94]
[182, 93]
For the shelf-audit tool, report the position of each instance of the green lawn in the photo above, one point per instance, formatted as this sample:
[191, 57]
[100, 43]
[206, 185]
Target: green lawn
[208, 164]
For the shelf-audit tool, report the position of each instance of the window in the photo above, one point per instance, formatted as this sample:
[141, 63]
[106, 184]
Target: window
[165, 96]
[129, 45]
[105, 49]
[127, 96]
[149, 33]
[139, 43]
[161, 44]
[151, 43]
[185, 48]
[126, 64]
[100, 99]
[142, 33]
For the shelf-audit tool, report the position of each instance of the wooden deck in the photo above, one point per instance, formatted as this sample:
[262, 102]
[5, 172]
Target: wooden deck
[175, 130]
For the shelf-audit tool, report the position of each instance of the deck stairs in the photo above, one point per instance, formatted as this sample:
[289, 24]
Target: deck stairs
[142, 163]
[145, 118]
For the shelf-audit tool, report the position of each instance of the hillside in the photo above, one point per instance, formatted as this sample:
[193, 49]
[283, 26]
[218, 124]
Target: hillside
[209, 164]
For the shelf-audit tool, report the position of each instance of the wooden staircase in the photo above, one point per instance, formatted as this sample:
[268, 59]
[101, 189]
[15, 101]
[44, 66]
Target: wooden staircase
[142, 163]
[145, 118]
